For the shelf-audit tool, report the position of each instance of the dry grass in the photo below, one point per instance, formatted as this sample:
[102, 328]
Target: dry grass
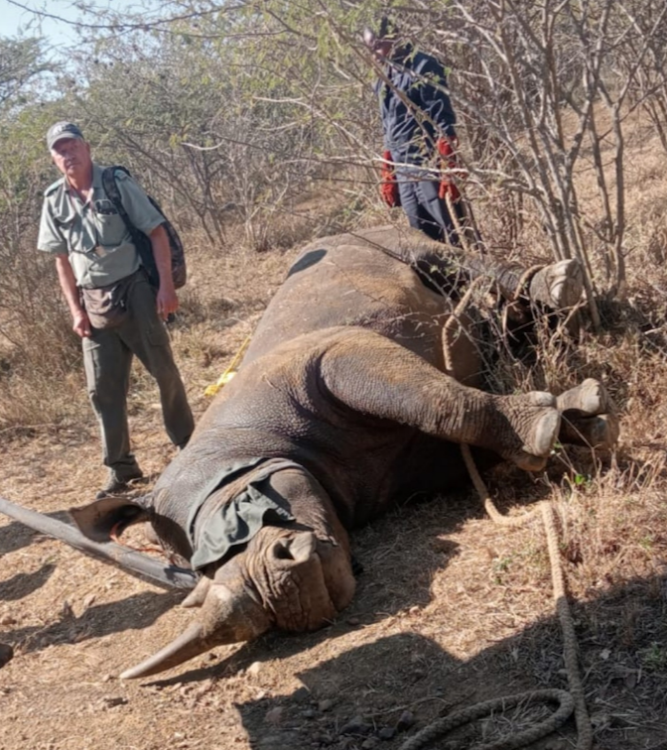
[450, 608]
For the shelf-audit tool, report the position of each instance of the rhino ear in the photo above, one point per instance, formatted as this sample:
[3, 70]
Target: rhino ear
[98, 519]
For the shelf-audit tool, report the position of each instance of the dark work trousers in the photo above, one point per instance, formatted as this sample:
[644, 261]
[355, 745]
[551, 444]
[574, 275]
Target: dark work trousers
[425, 211]
[107, 357]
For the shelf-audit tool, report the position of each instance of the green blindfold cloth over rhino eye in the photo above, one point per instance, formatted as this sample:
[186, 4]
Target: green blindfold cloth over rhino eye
[237, 520]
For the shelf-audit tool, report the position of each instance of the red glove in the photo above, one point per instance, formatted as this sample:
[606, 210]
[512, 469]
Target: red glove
[447, 148]
[388, 184]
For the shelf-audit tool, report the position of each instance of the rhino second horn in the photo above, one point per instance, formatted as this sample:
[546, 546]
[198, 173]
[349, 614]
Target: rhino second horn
[198, 595]
[226, 617]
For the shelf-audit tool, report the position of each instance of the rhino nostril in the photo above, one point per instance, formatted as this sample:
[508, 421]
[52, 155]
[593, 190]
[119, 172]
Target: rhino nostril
[281, 551]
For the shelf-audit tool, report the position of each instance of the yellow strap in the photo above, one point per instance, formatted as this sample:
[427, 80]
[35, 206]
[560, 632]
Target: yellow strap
[229, 373]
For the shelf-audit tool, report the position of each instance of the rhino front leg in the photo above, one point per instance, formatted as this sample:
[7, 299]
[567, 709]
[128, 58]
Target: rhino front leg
[377, 377]
[588, 416]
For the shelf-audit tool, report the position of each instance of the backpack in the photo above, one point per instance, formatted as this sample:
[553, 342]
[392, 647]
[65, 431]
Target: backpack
[142, 241]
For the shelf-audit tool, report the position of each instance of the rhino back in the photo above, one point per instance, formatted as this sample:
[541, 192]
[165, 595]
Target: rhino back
[336, 283]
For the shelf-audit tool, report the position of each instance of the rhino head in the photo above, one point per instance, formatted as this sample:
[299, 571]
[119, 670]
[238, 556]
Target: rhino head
[294, 576]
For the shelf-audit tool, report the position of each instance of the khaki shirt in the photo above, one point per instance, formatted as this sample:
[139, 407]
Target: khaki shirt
[93, 234]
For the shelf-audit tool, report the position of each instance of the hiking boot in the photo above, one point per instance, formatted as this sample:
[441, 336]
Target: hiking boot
[558, 286]
[117, 485]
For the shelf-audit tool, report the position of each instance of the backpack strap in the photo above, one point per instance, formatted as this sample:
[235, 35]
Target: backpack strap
[141, 241]
[111, 189]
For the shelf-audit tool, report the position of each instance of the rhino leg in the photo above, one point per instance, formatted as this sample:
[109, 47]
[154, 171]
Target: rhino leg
[377, 377]
[588, 416]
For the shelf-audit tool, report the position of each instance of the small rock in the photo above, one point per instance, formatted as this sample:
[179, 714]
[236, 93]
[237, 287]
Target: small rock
[112, 701]
[8, 620]
[6, 654]
[302, 695]
[370, 743]
[405, 721]
[386, 733]
[356, 726]
[325, 705]
[89, 601]
[254, 669]
[309, 713]
[274, 715]
[353, 620]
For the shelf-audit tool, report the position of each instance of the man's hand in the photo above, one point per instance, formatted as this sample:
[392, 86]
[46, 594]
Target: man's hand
[167, 301]
[448, 187]
[388, 184]
[81, 325]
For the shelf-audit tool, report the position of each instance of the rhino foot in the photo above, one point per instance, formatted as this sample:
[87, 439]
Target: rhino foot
[558, 286]
[589, 416]
[589, 399]
[535, 421]
[594, 432]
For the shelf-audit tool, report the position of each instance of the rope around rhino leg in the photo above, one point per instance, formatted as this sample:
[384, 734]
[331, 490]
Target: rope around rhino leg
[575, 700]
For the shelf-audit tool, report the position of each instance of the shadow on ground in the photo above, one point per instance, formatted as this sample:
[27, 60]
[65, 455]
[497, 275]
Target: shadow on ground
[382, 693]
[134, 613]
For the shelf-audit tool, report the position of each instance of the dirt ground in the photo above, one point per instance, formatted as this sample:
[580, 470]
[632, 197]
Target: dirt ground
[450, 610]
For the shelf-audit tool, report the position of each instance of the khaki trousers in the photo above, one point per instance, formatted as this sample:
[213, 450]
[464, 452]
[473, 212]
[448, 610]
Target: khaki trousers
[107, 357]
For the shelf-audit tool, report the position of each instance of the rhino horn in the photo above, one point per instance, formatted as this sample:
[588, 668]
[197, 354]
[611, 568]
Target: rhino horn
[189, 644]
[227, 617]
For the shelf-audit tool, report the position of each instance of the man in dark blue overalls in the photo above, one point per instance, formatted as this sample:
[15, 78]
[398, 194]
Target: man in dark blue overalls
[419, 134]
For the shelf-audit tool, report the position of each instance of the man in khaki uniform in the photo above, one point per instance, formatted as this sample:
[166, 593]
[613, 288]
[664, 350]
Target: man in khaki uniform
[95, 255]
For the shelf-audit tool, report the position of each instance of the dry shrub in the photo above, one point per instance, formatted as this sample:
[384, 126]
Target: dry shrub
[38, 351]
